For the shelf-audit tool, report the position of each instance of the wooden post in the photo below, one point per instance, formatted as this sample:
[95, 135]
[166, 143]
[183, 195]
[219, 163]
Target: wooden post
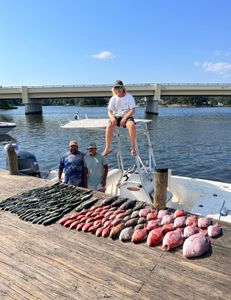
[13, 161]
[160, 188]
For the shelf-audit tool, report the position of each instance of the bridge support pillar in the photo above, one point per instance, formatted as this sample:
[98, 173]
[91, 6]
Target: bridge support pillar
[31, 106]
[152, 102]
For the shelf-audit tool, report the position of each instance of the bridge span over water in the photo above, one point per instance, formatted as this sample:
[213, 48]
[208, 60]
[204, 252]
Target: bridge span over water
[31, 96]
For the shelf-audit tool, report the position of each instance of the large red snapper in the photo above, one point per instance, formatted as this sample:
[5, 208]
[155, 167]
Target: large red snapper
[173, 239]
[190, 230]
[180, 221]
[196, 245]
[153, 224]
[179, 213]
[214, 230]
[167, 219]
[155, 236]
[139, 235]
[191, 220]
[204, 222]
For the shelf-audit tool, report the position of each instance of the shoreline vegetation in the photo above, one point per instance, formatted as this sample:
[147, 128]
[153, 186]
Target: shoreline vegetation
[166, 101]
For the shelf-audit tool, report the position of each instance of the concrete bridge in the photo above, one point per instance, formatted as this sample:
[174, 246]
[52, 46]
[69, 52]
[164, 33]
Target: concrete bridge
[32, 95]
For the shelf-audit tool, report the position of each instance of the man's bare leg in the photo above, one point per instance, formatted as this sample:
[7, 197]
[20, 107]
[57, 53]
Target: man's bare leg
[132, 134]
[108, 139]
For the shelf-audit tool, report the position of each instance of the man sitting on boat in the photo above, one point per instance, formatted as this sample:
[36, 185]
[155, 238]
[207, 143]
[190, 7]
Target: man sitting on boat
[121, 109]
[72, 163]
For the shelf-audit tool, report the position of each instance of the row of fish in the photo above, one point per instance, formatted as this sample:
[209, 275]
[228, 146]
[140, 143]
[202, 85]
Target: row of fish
[46, 205]
[131, 220]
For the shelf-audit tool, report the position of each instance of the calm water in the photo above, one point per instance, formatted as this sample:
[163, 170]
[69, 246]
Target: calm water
[192, 142]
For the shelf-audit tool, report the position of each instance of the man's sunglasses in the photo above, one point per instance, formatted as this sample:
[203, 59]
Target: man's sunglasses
[117, 88]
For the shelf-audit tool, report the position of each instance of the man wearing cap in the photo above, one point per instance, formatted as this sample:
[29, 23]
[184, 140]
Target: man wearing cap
[72, 164]
[95, 169]
[121, 108]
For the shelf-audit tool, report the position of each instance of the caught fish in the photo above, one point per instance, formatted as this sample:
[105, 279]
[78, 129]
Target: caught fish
[109, 200]
[126, 234]
[106, 231]
[115, 231]
[196, 245]
[139, 235]
[204, 222]
[162, 212]
[99, 231]
[190, 230]
[191, 220]
[214, 230]
[152, 216]
[179, 213]
[168, 227]
[128, 204]
[153, 224]
[155, 236]
[167, 219]
[131, 222]
[172, 239]
[144, 212]
[180, 221]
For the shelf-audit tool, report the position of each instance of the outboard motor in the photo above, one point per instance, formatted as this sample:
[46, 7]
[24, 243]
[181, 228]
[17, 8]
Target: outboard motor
[27, 164]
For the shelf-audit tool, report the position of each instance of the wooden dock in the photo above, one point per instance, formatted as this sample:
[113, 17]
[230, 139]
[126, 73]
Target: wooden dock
[53, 262]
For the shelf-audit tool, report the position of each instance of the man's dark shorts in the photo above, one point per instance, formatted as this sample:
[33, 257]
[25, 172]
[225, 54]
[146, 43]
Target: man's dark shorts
[118, 119]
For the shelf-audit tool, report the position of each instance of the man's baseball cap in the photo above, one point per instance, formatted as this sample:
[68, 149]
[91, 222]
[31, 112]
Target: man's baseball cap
[73, 143]
[92, 146]
[118, 83]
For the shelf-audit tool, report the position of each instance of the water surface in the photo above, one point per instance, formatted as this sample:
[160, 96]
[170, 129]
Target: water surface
[192, 142]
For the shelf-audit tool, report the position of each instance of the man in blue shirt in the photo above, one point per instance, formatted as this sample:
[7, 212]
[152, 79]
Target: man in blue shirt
[72, 164]
[95, 169]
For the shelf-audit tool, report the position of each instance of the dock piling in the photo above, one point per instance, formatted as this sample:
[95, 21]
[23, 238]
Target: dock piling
[12, 160]
[160, 188]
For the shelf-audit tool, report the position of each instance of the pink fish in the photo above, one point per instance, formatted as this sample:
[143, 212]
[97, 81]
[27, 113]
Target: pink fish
[172, 239]
[74, 224]
[168, 227]
[153, 224]
[152, 216]
[204, 222]
[139, 236]
[93, 228]
[162, 212]
[116, 221]
[106, 231]
[196, 245]
[155, 236]
[179, 213]
[86, 226]
[145, 211]
[99, 231]
[68, 223]
[180, 221]
[214, 230]
[191, 220]
[167, 219]
[190, 230]
[80, 226]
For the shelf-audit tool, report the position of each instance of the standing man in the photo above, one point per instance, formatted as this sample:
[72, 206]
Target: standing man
[121, 109]
[95, 169]
[72, 164]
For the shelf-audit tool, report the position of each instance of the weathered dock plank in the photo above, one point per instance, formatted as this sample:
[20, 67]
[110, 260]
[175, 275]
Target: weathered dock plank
[53, 262]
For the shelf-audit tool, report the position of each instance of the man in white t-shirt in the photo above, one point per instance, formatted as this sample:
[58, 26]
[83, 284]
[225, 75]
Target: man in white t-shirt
[121, 108]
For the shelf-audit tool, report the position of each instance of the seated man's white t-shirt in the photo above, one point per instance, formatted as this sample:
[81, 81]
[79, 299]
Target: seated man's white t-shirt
[121, 105]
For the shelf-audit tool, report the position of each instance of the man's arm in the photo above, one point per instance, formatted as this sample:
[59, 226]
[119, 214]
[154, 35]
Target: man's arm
[130, 113]
[85, 173]
[105, 169]
[112, 117]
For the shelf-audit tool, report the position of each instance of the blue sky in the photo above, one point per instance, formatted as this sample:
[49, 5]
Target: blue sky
[65, 42]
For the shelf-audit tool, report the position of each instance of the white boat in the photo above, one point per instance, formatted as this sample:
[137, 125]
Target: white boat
[5, 127]
[197, 196]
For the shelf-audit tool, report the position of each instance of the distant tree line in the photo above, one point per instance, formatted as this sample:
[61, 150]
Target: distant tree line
[197, 100]
[166, 100]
